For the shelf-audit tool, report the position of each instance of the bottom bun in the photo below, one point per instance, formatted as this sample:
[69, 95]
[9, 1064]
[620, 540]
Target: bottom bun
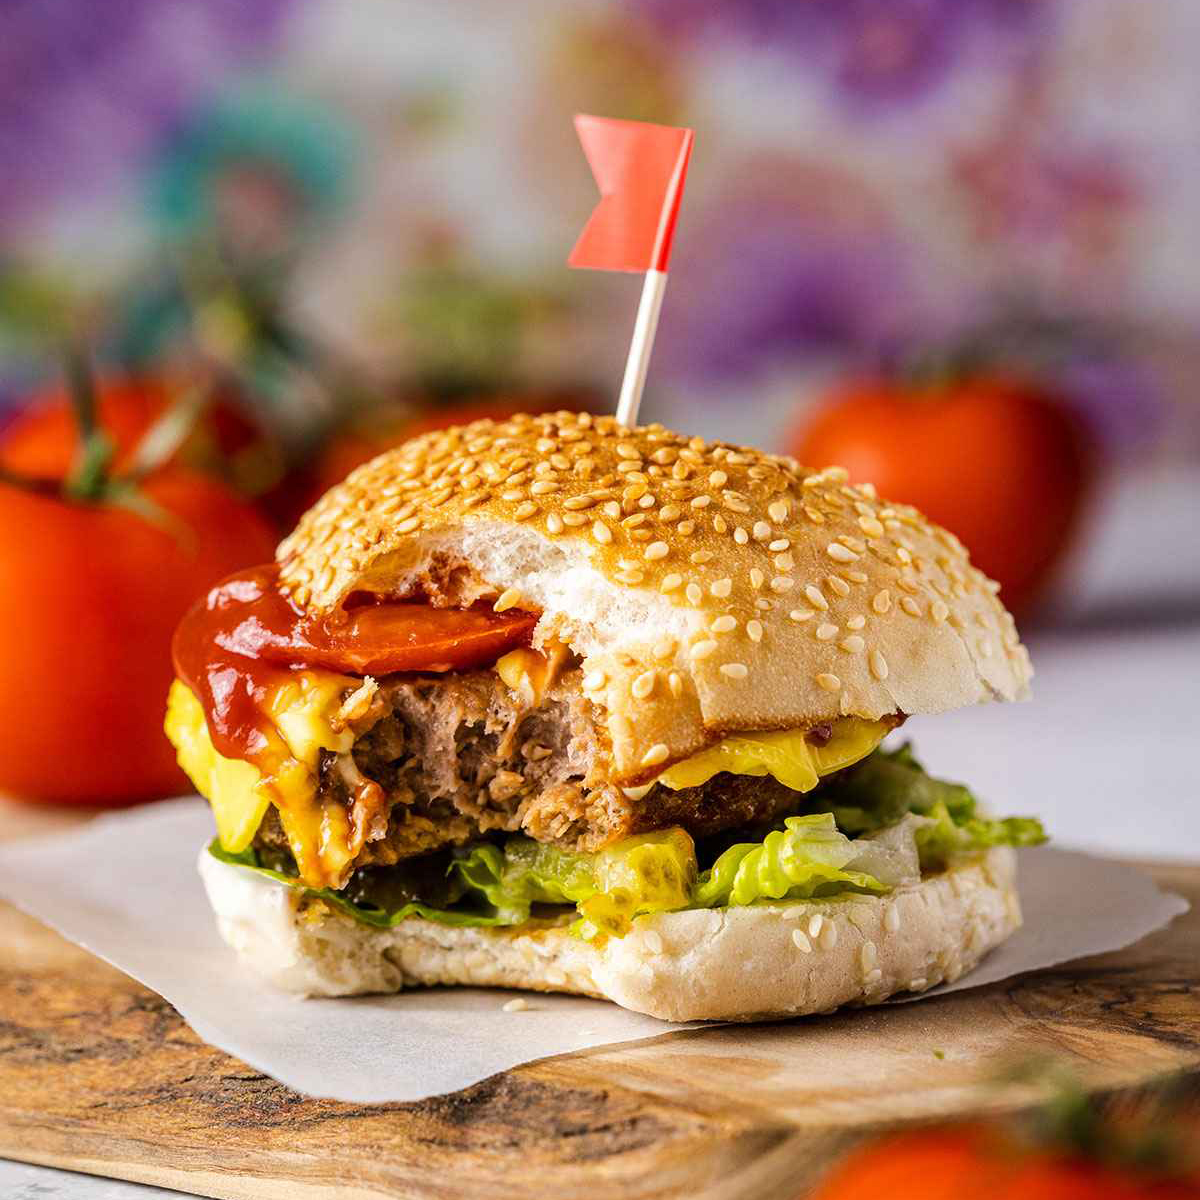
[730, 964]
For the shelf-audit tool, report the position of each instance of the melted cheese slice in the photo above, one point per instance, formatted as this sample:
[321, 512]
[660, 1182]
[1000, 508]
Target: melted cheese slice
[786, 755]
[301, 714]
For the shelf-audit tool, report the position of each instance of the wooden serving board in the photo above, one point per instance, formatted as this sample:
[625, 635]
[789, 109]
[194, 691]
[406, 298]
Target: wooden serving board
[99, 1074]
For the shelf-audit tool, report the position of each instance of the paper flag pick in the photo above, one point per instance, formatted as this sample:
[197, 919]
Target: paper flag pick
[640, 170]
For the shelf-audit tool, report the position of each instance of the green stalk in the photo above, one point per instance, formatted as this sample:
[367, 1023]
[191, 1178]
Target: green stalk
[88, 477]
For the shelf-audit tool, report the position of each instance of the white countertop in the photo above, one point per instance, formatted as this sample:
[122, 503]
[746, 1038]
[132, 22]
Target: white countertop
[1105, 754]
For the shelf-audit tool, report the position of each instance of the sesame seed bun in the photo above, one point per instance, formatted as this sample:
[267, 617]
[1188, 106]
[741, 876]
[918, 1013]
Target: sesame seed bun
[736, 964]
[708, 588]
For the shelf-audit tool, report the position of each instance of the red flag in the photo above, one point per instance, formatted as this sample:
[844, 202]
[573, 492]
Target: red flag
[640, 171]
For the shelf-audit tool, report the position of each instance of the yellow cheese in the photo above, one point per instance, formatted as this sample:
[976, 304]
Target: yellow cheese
[787, 755]
[230, 785]
[301, 712]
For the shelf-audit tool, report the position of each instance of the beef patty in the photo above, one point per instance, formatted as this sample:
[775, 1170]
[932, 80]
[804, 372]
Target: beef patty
[444, 758]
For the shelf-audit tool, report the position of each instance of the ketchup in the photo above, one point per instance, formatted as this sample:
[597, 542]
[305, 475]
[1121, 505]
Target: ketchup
[243, 638]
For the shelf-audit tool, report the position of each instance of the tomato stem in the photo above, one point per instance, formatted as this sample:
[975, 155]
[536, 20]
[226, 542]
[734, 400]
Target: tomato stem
[88, 477]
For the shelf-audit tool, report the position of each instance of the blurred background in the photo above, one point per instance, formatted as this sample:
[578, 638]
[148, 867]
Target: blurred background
[951, 244]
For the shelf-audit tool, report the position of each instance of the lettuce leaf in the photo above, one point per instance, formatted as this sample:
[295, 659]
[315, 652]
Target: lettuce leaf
[368, 914]
[808, 857]
[884, 788]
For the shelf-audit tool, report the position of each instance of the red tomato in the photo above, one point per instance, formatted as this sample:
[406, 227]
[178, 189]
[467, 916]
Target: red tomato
[90, 595]
[948, 1163]
[42, 440]
[998, 464]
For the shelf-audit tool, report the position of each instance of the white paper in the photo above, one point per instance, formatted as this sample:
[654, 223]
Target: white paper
[125, 887]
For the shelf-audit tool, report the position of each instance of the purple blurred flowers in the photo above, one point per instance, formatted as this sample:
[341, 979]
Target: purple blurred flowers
[875, 53]
[85, 89]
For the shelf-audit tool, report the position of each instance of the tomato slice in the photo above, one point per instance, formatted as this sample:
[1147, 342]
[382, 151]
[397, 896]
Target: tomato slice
[247, 620]
[382, 638]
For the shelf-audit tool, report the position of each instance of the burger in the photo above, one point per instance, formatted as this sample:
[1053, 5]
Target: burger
[552, 703]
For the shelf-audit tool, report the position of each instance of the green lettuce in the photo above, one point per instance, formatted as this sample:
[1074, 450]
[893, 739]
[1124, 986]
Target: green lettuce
[888, 785]
[804, 859]
[872, 824]
[363, 910]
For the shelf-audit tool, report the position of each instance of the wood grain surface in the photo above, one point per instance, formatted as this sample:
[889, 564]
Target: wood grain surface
[99, 1074]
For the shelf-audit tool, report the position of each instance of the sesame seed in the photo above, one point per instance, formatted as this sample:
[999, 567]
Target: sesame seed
[719, 524]
[517, 1004]
[524, 511]
[754, 630]
[801, 614]
[512, 495]
[840, 553]
[718, 479]
[763, 604]
[577, 503]
[782, 583]
[857, 576]
[868, 956]
[671, 582]
[826, 632]
[879, 666]
[554, 523]
[669, 513]
[700, 557]
[627, 451]
[831, 683]
[910, 606]
[664, 647]
[856, 622]
[408, 524]
[882, 601]
[612, 509]
[838, 584]
[675, 684]
[778, 511]
[507, 599]
[686, 528]
[702, 501]
[724, 624]
[740, 536]
[643, 685]
[658, 753]
[694, 594]
[784, 562]
[704, 648]
[853, 644]
[601, 533]
[779, 544]
[829, 936]
[801, 942]
[891, 919]
[721, 587]
[593, 681]
[814, 925]
[656, 550]
[938, 611]
[815, 598]
[542, 487]
[870, 526]
[761, 531]
[735, 670]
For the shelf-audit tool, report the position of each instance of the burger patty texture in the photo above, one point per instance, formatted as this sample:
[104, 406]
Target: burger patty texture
[441, 759]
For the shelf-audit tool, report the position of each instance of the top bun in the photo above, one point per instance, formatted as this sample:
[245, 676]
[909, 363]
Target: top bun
[708, 588]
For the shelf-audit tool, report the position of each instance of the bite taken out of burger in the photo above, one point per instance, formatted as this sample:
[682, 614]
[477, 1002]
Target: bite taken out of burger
[553, 703]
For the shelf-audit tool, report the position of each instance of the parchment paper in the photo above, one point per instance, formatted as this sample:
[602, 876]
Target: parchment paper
[125, 887]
